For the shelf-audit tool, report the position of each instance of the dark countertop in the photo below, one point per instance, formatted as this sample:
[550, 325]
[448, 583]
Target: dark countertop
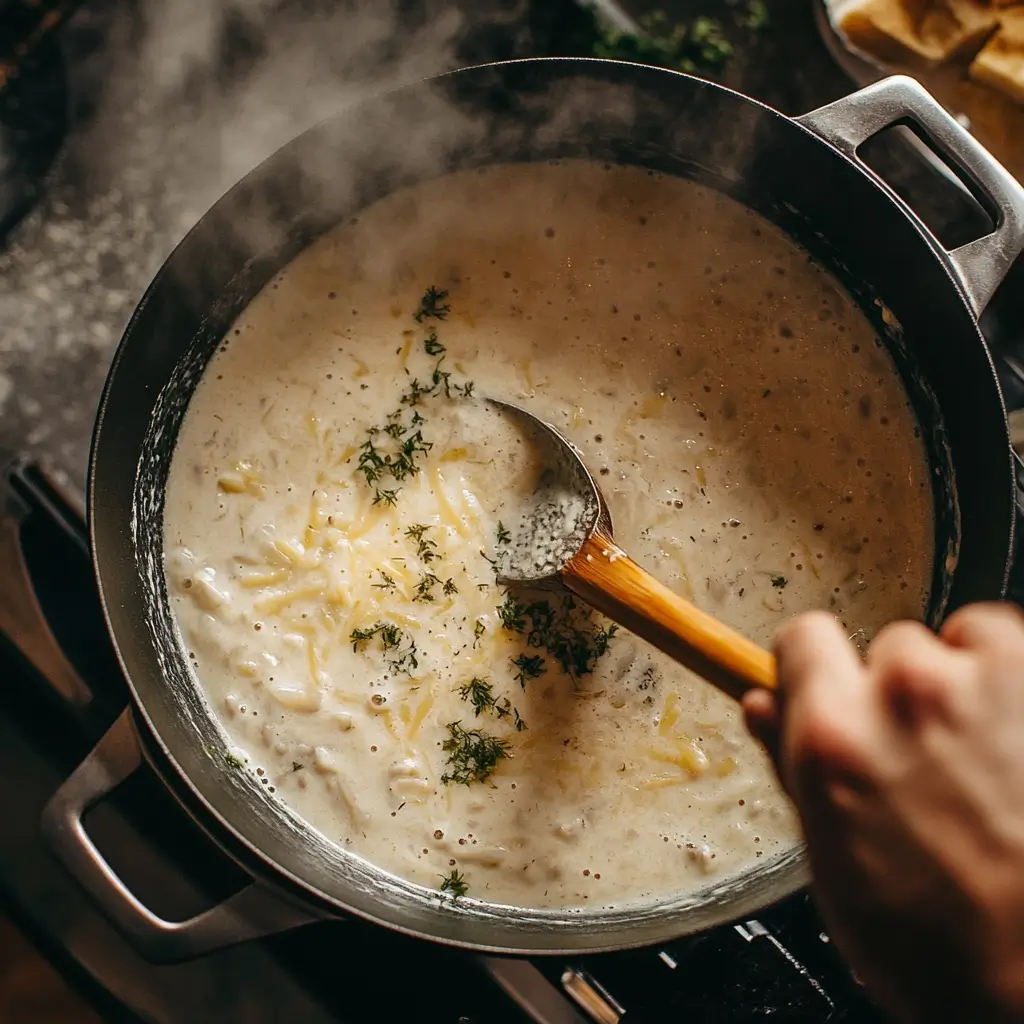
[169, 108]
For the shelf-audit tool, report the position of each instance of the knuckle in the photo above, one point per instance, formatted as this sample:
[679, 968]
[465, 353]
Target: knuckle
[908, 679]
[803, 626]
[983, 624]
[894, 641]
[828, 744]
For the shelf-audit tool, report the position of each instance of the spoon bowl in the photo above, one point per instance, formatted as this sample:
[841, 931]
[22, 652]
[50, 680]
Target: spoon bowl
[562, 537]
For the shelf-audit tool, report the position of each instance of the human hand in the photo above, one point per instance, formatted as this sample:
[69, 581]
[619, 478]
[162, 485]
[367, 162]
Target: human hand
[907, 769]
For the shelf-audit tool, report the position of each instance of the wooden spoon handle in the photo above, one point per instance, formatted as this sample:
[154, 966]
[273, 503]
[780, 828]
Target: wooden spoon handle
[607, 578]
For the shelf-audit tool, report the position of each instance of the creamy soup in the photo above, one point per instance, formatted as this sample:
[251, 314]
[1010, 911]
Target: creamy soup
[334, 520]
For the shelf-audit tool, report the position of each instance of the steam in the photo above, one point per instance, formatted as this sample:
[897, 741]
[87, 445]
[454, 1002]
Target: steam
[189, 95]
[226, 83]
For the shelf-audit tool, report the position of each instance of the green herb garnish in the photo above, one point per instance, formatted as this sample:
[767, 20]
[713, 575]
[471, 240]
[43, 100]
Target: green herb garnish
[233, 761]
[425, 547]
[392, 640]
[432, 346]
[504, 537]
[510, 611]
[779, 581]
[530, 667]
[433, 305]
[449, 588]
[478, 631]
[566, 631]
[425, 587]
[386, 582]
[385, 497]
[455, 884]
[472, 755]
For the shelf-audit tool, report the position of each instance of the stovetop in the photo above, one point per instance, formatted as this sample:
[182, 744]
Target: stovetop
[77, 269]
[63, 690]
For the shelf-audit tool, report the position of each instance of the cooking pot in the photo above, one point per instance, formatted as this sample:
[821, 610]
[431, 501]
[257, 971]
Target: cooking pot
[803, 174]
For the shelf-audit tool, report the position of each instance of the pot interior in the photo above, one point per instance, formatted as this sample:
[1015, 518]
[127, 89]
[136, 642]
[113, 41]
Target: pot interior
[525, 111]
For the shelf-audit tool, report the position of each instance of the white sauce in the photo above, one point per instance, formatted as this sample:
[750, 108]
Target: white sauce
[751, 437]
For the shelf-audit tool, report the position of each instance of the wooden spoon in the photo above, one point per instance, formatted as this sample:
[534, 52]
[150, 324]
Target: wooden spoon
[564, 539]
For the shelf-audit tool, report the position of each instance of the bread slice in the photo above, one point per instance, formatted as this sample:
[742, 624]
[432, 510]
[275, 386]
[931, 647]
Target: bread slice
[1000, 64]
[931, 32]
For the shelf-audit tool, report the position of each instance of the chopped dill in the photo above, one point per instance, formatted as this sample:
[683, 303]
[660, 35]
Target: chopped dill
[433, 304]
[425, 587]
[425, 547]
[386, 582]
[530, 666]
[472, 755]
[602, 640]
[415, 393]
[392, 640]
[441, 380]
[358, 636]
[385, 497]
[395, 450]
[390, 636]
[454, 883]
[518, 722]
[449, 588]
[504, 537]
[478, 631]
[510, 611]
[779, 581]
[480, 694]
[566, 631]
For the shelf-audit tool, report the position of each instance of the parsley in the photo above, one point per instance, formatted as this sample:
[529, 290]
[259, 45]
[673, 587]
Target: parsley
[472, 755]
[530, 667]
[504, 537]
[779, 581]
[233, 761]
[455, 884]
[432, 346]
[433, 304]
[425, 547]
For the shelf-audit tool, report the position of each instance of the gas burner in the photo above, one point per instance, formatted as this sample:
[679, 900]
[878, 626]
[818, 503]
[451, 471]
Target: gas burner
[33, 102]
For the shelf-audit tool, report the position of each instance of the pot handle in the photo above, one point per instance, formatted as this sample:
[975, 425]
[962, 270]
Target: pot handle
[252, 913]
[848, 123]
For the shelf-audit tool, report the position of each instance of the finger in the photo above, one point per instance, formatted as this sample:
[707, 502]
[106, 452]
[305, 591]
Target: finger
[812, 648]
[761, 711]
[984, 625]
[825, 728]
[918, 677]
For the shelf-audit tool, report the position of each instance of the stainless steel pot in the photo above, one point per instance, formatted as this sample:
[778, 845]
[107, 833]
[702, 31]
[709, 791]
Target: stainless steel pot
[802, 173]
